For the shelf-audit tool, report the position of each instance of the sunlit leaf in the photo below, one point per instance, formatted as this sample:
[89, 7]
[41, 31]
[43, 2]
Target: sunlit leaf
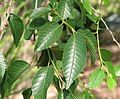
[87, 6]
[117, 70]
[111, 82]
[49, 33]
[110, 67]
[96, 78]
[42, 81]
[2, 66]
[74, 58]
[64, 8]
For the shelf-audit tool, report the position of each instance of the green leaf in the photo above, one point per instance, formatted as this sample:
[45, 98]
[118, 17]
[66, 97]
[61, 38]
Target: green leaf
[15, 69]
[111, 82]
[3, 66]
[106, 54]
[69, 95]
[27, 93]
[17, 27]
[117, 70]
[90, 42]
[42, 81]
[89, 35]
[92, 50]
[92, 17]
[58, 65]
[36, 23]
[87, 6]
[27, 34]
[60, 95]
[64, 8]
[74, 58]
[96, 78]
[40, 12]
[49, 33]
[106, 2]
[74, 14]
[110, 67]
[77, 95]
[4, 86]
[86, 95]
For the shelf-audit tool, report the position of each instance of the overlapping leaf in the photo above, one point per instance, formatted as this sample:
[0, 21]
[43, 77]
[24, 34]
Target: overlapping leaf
[15, 69]
[42, 81]
[2, 66]
[96, 78]
[27, 93]
[17, 27]
[106, 54]
[69, 95]
[64, 8]
[90, 42]
[13, 72]
[49, 33]
[74, 58]
[40, 12]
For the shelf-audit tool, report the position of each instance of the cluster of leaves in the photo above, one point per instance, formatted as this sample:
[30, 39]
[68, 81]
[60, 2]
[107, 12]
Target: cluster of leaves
[64, 37]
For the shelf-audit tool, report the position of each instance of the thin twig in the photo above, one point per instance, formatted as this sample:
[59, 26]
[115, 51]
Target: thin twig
[107, 28]
[110, 33]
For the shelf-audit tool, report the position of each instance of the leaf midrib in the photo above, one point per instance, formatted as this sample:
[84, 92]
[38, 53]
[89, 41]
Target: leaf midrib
[50, 33]
[73, 60]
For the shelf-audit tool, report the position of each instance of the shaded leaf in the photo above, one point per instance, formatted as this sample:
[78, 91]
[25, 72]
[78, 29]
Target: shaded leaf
[27, 34]
[92, 50]
[36, 23]
[96, 78]
[27, 93]
[4, 86]
[49, 33]
[64, 8]
[17, 27]
[42, 81]
[87, 6]
[3, 66]
[74, 58]
[90, 42]
[89, 35]
[15, 69]
[106, 54]
[111, 83]
[40, 12]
